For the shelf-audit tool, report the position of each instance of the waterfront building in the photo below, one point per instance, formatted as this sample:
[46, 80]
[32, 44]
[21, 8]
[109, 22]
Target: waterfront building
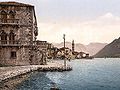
[18, 33]
[50, 51]
[42, 47]
[67, 52]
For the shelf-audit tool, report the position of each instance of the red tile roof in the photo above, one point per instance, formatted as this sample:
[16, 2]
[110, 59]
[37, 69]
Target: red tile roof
[14, 3]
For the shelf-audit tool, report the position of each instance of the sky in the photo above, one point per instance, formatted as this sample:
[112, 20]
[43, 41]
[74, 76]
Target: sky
[84, 21]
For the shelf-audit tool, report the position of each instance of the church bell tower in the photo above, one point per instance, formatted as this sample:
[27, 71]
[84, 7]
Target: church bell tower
[73, 46]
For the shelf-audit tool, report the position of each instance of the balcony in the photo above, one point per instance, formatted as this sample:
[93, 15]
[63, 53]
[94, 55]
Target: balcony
[9, 43]
[9, 21]
[13, 43]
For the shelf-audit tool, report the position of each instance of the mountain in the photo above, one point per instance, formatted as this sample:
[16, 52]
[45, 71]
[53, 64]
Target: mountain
[91, 48]
[110, 50]
[94, 48]
[78, 46]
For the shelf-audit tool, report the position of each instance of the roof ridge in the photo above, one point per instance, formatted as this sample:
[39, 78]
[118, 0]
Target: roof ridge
[14, 3]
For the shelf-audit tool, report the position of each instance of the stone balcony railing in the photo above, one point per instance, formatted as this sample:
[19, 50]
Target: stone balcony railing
[13, 43]
[9, 43]
[9, 21]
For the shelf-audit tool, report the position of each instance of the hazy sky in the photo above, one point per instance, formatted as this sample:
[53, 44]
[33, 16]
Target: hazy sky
[84, 21]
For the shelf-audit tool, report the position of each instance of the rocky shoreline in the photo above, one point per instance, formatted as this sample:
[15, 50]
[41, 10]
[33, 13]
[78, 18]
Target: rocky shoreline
[11, 76]
[11, 83]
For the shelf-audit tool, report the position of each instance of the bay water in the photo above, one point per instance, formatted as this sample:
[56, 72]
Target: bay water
[87, 74]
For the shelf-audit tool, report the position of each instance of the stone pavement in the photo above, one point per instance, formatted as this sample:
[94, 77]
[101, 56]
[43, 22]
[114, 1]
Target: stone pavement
[9, 72]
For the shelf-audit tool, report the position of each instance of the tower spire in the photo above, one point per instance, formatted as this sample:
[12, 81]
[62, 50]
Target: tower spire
[73, 46]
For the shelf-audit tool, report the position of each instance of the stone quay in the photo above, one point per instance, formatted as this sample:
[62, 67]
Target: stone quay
[10, 72]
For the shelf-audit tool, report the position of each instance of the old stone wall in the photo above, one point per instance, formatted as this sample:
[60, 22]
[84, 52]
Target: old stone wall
[5, 56]
[24, 26]
[22, 56]
[24, 14]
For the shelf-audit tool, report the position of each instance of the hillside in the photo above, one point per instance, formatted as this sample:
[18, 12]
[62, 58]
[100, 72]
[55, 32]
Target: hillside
[110, 50]
[78, 46]
[91, 48]
[94, 48]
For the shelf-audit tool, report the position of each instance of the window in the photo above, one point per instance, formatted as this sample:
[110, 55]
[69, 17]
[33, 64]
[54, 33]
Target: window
[4, 16]
[11, 16]
[11, 37]
[3, 37]
[13, 54]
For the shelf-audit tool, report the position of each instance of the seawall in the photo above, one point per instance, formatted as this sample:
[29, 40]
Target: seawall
[7, 73]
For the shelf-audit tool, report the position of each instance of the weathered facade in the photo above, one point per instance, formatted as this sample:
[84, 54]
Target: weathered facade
[18, 31]
[42, 47]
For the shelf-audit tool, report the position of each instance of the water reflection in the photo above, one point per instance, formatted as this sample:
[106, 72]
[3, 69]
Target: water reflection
[37, 81]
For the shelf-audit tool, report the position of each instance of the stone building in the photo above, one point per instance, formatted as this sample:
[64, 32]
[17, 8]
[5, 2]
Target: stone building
[64, 53]
[18, 32]
[50, 51]
[42, 47]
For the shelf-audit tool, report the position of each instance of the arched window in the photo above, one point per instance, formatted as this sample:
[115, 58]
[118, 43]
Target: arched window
[11, 15]
[11, 37]
[3, 37]
[4, 16]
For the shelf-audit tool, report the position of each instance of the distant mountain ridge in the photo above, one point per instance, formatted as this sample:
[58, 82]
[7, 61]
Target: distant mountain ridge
[91, 48]
[110, 50]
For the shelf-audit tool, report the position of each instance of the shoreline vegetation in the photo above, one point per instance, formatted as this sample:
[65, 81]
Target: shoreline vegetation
[11, 76]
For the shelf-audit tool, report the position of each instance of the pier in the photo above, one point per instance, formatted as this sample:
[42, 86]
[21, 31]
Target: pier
[10, 72]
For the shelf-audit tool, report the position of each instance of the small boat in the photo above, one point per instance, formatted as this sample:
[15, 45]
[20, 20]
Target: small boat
[54, 87]
[90, 57]
[87, 58]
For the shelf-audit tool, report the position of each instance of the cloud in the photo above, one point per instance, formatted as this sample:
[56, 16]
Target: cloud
[104, 28]
[109, 16]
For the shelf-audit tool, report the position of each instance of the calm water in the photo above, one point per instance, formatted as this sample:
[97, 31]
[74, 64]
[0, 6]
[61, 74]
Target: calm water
[96, 74]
